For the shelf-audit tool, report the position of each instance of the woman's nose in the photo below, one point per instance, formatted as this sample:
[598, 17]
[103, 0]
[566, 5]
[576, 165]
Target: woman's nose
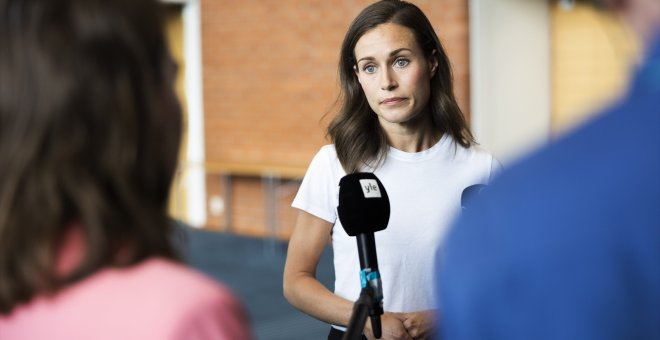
[387, 81]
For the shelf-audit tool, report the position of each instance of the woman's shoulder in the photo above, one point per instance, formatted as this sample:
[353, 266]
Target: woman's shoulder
[480, 151]
[325, 158]
[170, 284]
[474, 150]
[328, 150]
[162, 277]
[476, 156]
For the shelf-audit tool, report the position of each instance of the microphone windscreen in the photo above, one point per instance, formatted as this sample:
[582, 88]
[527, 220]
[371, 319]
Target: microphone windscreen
[364, 206]
[469, 192]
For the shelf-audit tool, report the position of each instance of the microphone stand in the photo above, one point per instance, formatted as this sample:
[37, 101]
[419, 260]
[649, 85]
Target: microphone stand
[366, 305]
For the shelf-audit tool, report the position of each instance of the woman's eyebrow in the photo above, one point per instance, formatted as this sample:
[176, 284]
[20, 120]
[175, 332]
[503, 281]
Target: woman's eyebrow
[393, 53]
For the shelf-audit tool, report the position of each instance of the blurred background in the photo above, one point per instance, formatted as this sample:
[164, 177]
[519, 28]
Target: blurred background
[258, 83]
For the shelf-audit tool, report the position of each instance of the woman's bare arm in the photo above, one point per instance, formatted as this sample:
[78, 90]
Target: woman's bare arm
[301, 288]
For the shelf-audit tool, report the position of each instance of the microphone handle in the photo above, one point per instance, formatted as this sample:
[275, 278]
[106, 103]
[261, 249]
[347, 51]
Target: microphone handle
[367, 251]
[375, 326]
[368, 260]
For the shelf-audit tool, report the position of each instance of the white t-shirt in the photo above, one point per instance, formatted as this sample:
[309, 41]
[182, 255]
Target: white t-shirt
[424, 189]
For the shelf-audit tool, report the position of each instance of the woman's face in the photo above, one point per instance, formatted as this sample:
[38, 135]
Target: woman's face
[394, 73]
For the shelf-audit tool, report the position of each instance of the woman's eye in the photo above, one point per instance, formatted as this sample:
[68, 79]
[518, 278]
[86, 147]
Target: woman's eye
[369, 69]
[401, 62]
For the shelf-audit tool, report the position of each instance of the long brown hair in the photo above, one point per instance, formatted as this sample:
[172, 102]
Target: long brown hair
[89, 135]
[358, 137]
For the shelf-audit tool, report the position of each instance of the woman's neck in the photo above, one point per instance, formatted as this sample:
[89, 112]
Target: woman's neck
[415, 137]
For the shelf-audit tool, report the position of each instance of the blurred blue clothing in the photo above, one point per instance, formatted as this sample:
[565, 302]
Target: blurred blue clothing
[566, 243]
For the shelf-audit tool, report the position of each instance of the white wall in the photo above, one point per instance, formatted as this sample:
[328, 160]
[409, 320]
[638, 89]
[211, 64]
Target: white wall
[194, 171]
[510, 75]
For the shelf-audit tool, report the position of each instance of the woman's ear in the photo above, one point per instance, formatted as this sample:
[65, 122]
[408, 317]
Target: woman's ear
[433, 63]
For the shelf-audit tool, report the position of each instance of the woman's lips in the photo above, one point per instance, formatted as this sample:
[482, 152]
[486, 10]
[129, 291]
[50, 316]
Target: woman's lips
[392, 101]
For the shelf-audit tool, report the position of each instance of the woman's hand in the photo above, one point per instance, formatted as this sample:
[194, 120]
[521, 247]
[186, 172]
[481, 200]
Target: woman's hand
[391, 325]
[420, 325]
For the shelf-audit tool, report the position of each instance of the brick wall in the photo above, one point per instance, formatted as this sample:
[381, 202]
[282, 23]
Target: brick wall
[270, 75]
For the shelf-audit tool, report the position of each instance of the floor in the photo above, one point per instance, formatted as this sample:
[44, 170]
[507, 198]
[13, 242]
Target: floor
[252, 268]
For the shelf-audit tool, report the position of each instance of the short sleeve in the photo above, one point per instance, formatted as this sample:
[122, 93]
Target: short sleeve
[319, 190]
[495, 169]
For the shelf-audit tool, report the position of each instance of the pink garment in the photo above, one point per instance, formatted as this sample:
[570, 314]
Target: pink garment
[156, 299]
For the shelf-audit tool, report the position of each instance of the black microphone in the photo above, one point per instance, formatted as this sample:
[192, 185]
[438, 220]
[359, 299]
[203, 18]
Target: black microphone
[364, 208]
[469, 192]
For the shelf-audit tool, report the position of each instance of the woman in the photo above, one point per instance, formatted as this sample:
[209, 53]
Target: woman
[89, 137]
[399, 120]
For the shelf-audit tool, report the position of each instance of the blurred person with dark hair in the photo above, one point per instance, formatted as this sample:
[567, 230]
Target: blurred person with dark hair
[566, 244]
[89, 138]
[400, 120]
